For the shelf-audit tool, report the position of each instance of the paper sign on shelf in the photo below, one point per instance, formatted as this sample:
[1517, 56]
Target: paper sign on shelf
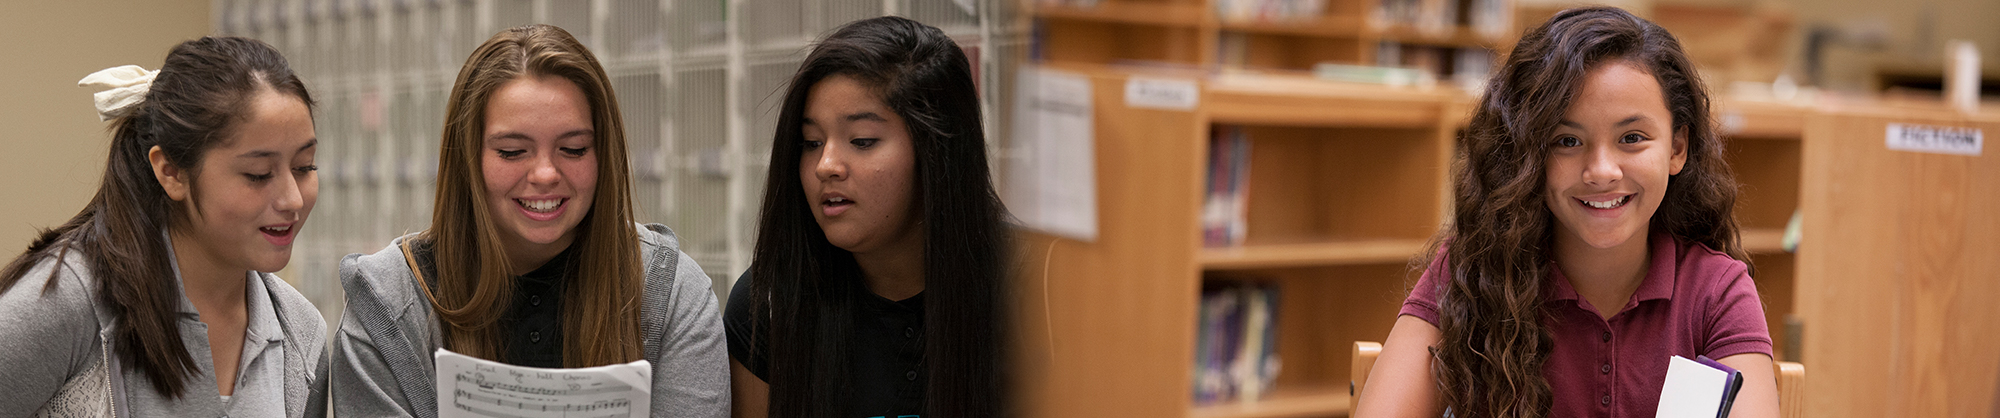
[1934, 139]
[1158, 93]
[1052, 171]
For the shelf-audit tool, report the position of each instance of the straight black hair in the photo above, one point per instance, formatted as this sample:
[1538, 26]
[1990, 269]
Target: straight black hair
[202, 92]
[806, 283]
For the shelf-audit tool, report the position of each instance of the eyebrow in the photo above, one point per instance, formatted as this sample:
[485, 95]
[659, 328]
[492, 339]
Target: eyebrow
[867, 116]
[523, 136]
[263, 153]
[1627, 121]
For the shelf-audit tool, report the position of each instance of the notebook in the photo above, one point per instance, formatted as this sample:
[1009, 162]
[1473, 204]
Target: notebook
[1699, 388]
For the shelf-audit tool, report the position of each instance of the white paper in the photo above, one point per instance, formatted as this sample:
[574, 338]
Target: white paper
[469, 387]
[1693, 390]
[1052, 177]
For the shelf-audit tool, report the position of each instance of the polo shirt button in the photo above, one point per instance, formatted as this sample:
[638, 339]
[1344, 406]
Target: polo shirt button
[534, 336]
[912, 375]
[535, 300]
[1607, 336]
[1606, 368]
[1605, 400]
[909, 332]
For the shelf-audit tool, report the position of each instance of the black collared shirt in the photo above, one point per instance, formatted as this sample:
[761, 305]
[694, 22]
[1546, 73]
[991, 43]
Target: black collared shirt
[531, 331]
[887, 354]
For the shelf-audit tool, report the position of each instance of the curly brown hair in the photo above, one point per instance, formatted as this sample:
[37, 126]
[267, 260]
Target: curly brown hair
[1488, 362]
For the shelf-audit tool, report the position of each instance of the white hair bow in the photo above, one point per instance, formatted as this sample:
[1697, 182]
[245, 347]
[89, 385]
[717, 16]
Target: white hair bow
[128, 85]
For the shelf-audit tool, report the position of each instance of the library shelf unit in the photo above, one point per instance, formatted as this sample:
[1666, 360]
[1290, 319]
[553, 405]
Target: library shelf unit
[1347, 184]
[1194, 33]
[1762, 141]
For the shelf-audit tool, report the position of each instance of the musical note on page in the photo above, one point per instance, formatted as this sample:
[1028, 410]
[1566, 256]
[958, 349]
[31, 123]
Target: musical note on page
[469, 387]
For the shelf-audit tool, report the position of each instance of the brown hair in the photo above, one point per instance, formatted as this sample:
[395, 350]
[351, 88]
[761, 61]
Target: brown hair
[600, 308]
[201, 94]
[1493, 346]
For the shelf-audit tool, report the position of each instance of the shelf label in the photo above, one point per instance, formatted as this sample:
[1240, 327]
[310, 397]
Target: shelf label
[1158, 93]
[1934, 139]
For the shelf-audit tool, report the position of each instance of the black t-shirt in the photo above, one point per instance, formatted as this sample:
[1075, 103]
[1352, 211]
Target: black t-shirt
[887, 350]
[531, 330]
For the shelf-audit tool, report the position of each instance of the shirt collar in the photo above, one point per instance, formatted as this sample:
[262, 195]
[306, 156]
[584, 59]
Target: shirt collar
[1660, 272]
[261, 321]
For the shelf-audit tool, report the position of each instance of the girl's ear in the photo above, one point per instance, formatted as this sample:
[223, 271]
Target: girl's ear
[1680, 151]
[172, 179]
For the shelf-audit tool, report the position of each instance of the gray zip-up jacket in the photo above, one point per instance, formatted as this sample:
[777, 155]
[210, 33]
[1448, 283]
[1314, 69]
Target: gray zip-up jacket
[382, 354]
[48, 337]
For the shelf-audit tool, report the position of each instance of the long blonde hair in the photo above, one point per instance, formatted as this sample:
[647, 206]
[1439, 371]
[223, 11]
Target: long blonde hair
[472, 289]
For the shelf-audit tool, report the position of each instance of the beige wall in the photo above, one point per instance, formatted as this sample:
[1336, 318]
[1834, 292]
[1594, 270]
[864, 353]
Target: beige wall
[54, 146]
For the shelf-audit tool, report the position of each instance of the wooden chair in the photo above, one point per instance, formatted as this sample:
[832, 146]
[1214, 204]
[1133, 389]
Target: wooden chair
[1791, 380]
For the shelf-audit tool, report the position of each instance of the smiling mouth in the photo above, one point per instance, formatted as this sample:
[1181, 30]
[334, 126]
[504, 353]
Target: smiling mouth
[540, 205]
[276, 230]
[1608, 204]
[838, 201]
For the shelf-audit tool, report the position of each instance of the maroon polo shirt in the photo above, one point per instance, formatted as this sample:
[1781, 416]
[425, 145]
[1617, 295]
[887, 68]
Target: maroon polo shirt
[1694, 301]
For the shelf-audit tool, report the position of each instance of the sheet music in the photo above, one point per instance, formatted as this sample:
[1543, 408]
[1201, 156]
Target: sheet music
[469, 387]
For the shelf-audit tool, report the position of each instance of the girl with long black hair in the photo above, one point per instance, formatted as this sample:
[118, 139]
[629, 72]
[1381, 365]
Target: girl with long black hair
[876, 284]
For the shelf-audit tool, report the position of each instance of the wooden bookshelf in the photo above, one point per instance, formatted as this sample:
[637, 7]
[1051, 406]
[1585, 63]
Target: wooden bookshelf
[1252, 257]
[1285, 403]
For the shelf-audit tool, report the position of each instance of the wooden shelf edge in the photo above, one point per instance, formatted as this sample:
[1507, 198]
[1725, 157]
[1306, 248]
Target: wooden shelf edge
[1296, 403]
[1761, 119]
[1297, 99]
[1310, 254]
[1123, 12]
[1763, 240]
[1325, 26]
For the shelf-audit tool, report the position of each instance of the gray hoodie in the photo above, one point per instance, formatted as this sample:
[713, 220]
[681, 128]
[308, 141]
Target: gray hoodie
[382, 354]
[49, 337]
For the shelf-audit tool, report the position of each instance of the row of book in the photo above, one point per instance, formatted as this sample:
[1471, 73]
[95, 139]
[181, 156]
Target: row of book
[1269, 10]
[1466, 67]
[1490, 18]
[1223, 222]
[1236, 352]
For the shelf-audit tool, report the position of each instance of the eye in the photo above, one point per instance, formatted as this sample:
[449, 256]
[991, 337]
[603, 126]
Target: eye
[864, 143]
[575, 152]
[1568, 142]
[510, 153]
[812, 144]
[308, 168]
[258, 178]
[1631, 138]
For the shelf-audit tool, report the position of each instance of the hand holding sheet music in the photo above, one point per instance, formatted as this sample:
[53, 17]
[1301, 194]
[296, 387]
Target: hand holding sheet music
[469, 387]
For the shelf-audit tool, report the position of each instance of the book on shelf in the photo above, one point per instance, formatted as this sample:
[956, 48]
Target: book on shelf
[1488, 18]
[1236, 357]
[1269, 10]
[1222, 215]
[1698, 388]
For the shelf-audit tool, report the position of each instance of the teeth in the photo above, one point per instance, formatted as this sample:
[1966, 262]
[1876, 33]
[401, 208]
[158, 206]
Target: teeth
[278, 229]
[837, 200]
[544, 205]
[1607, 205]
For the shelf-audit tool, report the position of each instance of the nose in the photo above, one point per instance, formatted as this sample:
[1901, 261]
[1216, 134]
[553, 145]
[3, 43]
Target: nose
[291, 194]
[831, 163]
[1601, 166]
[543, 171]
